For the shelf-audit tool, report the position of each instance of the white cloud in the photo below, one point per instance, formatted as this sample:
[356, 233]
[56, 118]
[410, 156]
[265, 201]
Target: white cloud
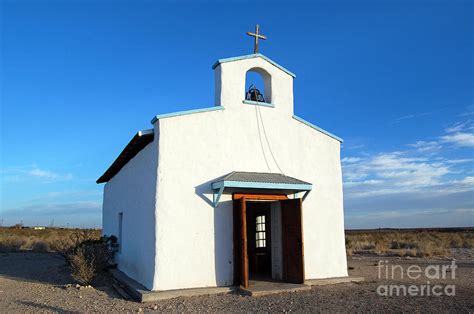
[459, 139]
[424, 146]
[33, 172]
[461, 134]
[460, 161]
[430, 183]
[394, 171]
[411, 116]
[350, 160]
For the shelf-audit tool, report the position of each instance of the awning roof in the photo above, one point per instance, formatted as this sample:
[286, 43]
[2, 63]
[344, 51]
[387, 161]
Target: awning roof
[258, 181]
[261, 180]
[138, 142]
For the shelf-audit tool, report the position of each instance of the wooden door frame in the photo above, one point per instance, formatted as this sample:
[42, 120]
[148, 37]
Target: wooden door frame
[240, 251]
[260, 197]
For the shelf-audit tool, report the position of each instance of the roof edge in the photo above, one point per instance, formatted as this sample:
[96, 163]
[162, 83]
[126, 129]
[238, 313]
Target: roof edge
[317, 128]
[118, 164]
[145, 132]
[185, 112]
[251, 56]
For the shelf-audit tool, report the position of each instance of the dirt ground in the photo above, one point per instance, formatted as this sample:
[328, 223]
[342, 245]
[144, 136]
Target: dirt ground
[38, 282]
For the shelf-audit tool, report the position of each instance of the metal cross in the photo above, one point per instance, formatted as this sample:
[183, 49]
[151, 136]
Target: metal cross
[257, 36]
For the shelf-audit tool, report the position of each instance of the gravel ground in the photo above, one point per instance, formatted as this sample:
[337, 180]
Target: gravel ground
[38, 282]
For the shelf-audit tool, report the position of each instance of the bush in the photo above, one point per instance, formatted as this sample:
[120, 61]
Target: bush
[83, 267]
[40, 246]
[12, 244]
[91, 257]
[65, 245]
[381, 246]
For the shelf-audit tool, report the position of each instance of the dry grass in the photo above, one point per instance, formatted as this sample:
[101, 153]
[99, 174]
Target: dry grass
[47, 240]
[408, 243]
[83, 249]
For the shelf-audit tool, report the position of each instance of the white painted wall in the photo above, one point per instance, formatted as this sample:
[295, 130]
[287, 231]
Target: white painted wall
[133, 192]
[194, 240]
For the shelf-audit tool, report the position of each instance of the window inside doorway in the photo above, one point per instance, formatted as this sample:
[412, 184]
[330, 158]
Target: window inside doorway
[260, 236]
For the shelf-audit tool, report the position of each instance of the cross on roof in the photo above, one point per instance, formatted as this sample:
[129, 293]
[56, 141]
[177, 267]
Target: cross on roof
[257, 36]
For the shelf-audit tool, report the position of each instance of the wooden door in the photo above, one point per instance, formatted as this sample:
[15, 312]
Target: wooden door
[241, 263]
[292, 241]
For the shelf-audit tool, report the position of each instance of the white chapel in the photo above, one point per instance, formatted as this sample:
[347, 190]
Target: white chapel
[224, 195]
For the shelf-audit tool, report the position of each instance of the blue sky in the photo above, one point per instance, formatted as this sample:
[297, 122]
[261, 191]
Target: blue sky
[393, 78]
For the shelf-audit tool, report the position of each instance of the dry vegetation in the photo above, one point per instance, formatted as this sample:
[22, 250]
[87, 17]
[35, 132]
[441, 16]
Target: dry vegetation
[403, 243]
[83, 249]
[47, 240]
[408, 243]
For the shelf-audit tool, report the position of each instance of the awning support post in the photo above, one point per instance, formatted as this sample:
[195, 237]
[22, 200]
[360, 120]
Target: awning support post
[217, 196]
[306, 194]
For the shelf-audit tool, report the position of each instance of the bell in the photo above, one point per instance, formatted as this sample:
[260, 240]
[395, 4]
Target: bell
[254, 94]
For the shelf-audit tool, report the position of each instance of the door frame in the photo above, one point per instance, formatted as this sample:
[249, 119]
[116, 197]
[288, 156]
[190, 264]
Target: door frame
[241, 266]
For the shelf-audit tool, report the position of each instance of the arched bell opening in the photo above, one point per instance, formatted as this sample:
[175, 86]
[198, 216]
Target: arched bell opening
[258, 86]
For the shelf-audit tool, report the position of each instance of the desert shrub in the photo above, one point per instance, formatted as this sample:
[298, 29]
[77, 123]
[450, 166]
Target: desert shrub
[381, 246]
[90, 257]
[456, 241]
[12, 244]
[40, 246]
[409, 243]
[402, 245]
[66, 244]
[83, 266]
[468, 243]
[411, 252]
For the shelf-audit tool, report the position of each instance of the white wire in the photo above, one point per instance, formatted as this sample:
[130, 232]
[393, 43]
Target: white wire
[266, 139]
[260, 138]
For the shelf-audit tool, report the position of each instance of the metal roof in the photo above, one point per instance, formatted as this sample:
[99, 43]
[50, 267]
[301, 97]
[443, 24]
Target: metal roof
[258, 181]
[138, 142]
[263, 177]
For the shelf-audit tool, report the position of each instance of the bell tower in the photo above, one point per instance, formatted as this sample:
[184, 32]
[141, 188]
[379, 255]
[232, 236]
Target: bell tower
[230, 83]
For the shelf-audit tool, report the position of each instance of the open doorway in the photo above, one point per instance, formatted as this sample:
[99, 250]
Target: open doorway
[268, 242]
[259, 239]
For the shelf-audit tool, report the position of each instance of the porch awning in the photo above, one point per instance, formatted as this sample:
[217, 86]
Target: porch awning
[259, 181]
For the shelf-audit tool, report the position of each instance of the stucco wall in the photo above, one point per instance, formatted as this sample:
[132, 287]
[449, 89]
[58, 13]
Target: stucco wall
[133, 192]
[194, 240]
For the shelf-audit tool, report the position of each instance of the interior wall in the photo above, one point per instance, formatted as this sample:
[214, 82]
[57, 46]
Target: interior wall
[277, 256]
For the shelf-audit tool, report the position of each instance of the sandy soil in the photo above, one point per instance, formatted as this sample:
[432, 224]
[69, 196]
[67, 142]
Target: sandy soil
[37, 282]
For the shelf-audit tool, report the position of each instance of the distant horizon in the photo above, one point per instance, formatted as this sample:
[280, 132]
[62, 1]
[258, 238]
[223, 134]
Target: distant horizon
[346, 229]
[394, 80]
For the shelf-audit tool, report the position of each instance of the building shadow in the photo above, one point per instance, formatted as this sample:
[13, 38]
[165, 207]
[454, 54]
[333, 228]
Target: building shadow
[49, 268]
[224, 243]
[44, 307]
[223, 233]
[205, 192]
